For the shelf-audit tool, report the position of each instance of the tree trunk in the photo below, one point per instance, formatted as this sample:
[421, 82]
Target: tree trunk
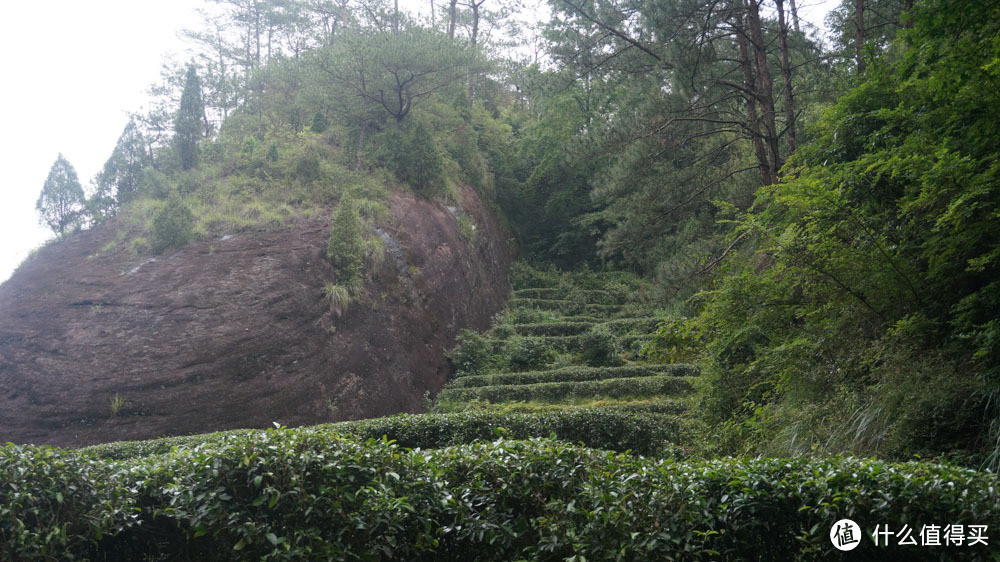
[764, 89]
[475, 38]
[795, 16]
[451, 18]
[223, 97]
[859, 37]
[786, 72]
[753, 123]
[433, 18]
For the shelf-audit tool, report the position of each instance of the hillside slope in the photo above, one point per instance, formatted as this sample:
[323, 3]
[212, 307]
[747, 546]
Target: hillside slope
[236, 332]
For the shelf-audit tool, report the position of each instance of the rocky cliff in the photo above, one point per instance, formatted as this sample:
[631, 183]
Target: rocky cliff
[236, 332]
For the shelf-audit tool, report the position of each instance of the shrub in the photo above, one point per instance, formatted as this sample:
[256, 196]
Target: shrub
[54, 503]
[411, 153]
[307, 167]
[472, 354]
[345, 248]
[675, 339]
[599, 349]
[320, 123]
[173, 225]
[523, 354]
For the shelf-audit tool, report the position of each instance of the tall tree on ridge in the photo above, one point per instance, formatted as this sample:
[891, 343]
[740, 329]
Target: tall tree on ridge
[61, 201]
[118, 182]
[188, 123]
[859, 37]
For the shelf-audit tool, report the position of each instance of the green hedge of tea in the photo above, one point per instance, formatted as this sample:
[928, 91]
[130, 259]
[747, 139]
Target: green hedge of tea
[551, 328]
[551, 391]
[573, 373]
[499, 345]
[590, 296]
[312, 494]
[644, 431]
[566, 306]
[642, 325]
[600, 428]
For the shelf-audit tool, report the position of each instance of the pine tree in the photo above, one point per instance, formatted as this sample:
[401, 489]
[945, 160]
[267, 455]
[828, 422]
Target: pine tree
[118, 182]
[188, 123]
[345, 248]
[62, 199]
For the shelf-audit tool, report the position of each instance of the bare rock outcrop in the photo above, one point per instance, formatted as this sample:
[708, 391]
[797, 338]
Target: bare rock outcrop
[236, 332]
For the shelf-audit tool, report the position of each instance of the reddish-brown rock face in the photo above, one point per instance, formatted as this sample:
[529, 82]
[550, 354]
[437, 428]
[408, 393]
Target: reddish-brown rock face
[236, 332]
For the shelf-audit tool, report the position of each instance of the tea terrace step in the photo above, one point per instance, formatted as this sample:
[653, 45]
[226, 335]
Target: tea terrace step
[555, 391]
[574, 373]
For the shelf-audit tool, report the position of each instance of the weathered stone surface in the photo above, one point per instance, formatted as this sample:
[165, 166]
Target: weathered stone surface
[236, 332]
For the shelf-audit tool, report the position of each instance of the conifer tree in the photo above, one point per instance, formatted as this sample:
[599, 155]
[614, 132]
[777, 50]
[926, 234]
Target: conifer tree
[345, 247]
[62, 199]
[188, 123]
[118, 182]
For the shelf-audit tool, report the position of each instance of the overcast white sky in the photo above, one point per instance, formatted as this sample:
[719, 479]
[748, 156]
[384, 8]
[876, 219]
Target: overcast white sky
[72, 70]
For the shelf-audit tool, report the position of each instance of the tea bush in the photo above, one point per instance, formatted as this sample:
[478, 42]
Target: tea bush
[313, 494]
[523, 354]
[599, 348]
[551, 328]
[551, 391]
[472, 354]
[642, 433]
[574, 373]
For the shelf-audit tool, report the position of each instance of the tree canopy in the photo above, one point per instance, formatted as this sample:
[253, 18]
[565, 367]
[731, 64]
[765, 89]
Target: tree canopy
[61, 201]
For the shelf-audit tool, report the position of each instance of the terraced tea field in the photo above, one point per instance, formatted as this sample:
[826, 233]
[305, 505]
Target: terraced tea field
[572, 343]
[464, 481]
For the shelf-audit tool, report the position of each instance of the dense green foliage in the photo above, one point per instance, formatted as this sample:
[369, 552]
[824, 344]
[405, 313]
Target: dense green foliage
[172, 224]
[344, 247]
[412, 154]
[293, 494]
[188, 123]
[61, 201]
[871, 285]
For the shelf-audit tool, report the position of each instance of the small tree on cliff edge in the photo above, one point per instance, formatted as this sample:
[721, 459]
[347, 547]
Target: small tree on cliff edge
[61, 201]
[345, 248]
[187, 124]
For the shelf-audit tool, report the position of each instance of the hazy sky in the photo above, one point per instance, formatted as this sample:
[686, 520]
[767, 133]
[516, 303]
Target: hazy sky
[72, 71]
